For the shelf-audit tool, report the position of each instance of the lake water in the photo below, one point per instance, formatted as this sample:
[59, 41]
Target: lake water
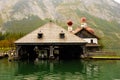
[60, 70]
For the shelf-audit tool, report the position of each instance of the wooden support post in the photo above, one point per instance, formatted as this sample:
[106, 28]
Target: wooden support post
[17, 51]
[51, 52]
[84, 52]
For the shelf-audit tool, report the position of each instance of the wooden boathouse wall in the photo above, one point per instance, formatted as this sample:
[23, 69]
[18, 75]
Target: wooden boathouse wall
[50, 41]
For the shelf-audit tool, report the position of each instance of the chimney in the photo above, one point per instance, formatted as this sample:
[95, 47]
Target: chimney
[69, 23]
[83, 22]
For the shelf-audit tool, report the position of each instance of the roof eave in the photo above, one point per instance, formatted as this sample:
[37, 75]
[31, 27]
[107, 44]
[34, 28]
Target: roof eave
[60, 43]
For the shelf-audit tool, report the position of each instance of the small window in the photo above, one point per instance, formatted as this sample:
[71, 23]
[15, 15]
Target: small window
[62, 35]
[40, 35]
[91, 41]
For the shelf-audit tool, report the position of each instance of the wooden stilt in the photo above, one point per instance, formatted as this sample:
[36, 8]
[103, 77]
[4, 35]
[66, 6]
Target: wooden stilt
[17, 51]
[51, 52]
[84, 52]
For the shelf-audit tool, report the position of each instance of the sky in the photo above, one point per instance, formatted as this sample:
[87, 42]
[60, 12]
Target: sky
[117, 1]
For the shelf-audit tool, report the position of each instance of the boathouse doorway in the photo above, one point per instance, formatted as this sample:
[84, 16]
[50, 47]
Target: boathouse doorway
[27, 53]
[31, 52]
[43, 52]
[70, 52]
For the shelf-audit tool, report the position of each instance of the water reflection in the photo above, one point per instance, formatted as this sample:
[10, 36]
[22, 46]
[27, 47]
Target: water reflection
[51, 70]
[60, 70]
[7, 70]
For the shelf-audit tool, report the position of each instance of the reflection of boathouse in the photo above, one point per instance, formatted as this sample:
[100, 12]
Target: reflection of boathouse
[50, 40]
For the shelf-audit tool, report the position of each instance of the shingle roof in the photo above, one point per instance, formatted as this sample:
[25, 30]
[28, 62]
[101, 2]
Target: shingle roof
[51, 33]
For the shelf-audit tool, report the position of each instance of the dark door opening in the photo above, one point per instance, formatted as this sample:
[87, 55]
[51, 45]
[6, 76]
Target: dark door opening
[61, 52]
[27, 53]
[70, 52]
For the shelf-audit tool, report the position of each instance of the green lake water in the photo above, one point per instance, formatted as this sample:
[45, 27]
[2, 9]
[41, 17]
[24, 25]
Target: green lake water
[60, 70]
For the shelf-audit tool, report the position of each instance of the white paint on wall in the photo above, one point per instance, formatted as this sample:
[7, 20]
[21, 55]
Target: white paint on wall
[95, 40]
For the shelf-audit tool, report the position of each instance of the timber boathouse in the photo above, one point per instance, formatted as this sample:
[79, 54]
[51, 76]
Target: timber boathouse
[50, 41]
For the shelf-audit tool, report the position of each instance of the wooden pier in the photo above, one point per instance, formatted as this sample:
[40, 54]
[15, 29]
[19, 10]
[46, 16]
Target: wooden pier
[102, 55]
[105, 57]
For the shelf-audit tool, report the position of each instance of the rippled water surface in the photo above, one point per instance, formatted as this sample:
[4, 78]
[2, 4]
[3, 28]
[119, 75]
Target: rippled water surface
[60, 70]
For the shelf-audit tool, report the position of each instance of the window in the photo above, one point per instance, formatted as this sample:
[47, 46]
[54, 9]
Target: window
[40, 35]
[91, 40]
[62, 35]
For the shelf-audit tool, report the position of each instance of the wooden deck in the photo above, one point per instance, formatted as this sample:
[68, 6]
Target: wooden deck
[102, 55]
[105, 57]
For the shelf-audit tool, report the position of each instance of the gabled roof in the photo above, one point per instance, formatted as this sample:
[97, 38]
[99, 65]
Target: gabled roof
[79, 29]
[51, 33]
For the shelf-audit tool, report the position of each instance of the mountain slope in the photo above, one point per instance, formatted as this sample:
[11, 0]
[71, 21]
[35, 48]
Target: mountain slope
[26, 15]
[19, 9]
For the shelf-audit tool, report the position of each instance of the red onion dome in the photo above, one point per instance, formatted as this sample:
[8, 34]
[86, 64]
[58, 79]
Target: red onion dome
[90, 29]
[69, 23]
[83, 19]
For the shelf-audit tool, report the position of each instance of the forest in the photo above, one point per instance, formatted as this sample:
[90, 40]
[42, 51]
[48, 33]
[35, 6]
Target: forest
[7, 40]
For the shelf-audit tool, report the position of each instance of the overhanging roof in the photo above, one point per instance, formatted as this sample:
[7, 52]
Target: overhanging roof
[51, 33]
